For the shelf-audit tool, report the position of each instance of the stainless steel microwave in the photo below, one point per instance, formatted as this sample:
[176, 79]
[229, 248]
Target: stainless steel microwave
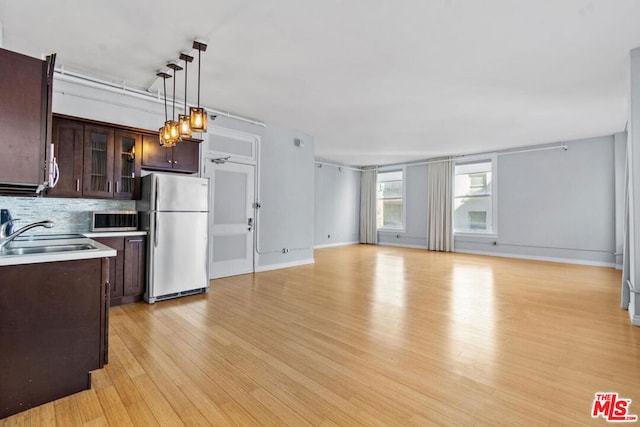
[114, 221]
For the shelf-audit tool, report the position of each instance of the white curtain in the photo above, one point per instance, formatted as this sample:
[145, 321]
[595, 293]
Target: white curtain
[368, 225]
[440, 196]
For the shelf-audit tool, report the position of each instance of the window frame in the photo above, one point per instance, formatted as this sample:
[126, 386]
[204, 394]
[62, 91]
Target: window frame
[493, 220]
[402, 169]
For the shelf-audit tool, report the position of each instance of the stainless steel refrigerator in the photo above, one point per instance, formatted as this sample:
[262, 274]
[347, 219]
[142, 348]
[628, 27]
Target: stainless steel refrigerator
[174, 211]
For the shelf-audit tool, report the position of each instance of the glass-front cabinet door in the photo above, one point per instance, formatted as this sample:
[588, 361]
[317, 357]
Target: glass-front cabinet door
[127, 167]
[98, 162]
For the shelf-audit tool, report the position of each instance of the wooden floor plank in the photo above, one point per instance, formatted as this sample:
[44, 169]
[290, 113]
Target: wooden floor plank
[369, 336]
[43, 415]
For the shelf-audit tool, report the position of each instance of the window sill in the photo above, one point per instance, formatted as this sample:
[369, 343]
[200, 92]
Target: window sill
[472, 234]
[392, 230]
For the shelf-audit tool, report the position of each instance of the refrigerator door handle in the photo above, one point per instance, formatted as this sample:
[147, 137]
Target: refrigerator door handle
[155, 230]
[155, 198]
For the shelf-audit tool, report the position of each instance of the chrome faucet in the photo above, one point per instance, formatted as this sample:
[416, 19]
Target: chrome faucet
[6, 237]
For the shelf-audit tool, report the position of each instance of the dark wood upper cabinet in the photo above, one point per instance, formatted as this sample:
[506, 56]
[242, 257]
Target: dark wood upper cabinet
[25, 113]
[183, 157]
[127, 164]
[105, 161]
[186, 157]
[154, 156]
[68, 143]
[98, 162]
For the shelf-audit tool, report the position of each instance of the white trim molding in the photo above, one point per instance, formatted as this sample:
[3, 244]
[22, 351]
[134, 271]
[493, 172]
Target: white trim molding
[333, 245]
[403, 245]
[250, 138]
[538, 258]
[285, 265]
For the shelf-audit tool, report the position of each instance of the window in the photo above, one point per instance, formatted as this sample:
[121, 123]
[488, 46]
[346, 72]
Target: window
[474, 199]
[390, 199]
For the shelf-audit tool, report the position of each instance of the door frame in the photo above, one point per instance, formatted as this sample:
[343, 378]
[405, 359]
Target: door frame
[211, 154]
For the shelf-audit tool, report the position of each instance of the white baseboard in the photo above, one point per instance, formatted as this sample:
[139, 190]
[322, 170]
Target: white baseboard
[540, 258]
[332, 245]
[403, 245]
[635, 320]
[284, 265]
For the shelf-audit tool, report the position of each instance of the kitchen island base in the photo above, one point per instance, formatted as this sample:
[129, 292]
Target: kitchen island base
[53, 330]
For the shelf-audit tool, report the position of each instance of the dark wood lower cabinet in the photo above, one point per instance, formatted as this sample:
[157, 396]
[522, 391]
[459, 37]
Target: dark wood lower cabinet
[127, 269]
[53, 330]
[134, 269]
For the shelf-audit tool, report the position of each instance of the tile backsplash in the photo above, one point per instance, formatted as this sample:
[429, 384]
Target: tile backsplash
[69, 215]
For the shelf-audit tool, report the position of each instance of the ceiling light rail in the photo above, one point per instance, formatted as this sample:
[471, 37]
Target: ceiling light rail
[63, 74]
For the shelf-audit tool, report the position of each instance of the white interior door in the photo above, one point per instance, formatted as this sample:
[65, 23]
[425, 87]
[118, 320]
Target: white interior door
[232, 194]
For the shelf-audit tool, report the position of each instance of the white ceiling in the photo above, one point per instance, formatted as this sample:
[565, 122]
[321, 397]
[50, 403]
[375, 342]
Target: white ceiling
[374, 82]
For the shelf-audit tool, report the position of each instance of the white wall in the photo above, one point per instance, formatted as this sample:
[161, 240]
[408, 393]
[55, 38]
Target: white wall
[286, 195]
[337, 205]
[552, 204]
[620, 155]
[631, 276]
[286, 171]
[555, 204]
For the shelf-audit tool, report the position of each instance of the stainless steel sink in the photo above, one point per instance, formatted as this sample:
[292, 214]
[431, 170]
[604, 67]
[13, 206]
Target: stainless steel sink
[31, 250]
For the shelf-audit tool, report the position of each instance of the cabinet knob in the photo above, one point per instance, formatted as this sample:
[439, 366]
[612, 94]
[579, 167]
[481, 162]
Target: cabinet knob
[169, 161]
[175, 162]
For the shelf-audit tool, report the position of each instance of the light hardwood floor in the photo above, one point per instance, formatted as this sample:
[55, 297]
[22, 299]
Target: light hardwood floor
[369, 336]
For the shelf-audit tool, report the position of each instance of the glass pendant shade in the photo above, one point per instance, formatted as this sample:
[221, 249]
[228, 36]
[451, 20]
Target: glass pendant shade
[164, 138]
[198, 119]
[172, 128]
[161, 136]
[185, 126]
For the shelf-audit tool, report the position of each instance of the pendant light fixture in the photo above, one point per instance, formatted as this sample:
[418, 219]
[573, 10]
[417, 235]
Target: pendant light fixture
[164, 132]
[184, 120]
[197, 114]
[174, 128]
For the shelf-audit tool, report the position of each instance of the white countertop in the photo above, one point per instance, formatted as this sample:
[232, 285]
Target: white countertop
[100, 251]
[94, 234]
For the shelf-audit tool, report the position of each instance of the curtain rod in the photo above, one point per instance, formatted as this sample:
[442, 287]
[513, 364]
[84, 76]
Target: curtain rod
[338, 166]
[75, 77]
[462, 156]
